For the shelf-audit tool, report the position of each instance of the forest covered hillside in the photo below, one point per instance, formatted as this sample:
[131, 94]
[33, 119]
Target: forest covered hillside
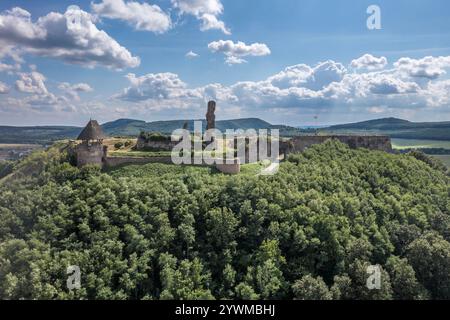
[170, 232]
[396, 128]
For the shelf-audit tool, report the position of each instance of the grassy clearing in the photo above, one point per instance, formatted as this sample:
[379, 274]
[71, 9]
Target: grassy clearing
[400, 144]
[157, 169]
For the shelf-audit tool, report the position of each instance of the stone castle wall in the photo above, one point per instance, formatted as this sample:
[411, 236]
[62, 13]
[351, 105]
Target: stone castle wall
[94, 153]
[381, 143]
[229, 168]
[142, 144]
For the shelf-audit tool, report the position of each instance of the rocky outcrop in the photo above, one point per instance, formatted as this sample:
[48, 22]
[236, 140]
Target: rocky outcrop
[154, 143]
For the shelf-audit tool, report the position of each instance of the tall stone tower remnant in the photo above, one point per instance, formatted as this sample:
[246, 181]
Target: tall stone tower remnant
[210, 115]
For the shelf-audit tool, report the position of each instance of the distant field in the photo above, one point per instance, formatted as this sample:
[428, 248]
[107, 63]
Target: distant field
[18, 146]
[15, 151]
[417, 143]
[444, 158]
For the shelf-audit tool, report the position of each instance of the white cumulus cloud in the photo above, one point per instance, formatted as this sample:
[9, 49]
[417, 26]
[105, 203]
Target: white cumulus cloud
[207, 11]
[32, 82]
[309, 89]
[239, 49]
[369, 62]
[4, 89]
[4, 67]
[314, 78]
[72, 37]
[160, 86]
[427, 67]
[73, 90]
[234, 51]
[142, 16]
[234, 60]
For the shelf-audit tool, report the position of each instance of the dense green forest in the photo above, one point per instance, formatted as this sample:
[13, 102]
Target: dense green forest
[166, 232]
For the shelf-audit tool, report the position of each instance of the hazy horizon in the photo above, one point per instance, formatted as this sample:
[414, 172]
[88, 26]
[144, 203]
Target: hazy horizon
[228, 119]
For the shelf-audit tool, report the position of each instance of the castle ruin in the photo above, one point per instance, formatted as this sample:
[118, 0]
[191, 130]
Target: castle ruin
[91, 150]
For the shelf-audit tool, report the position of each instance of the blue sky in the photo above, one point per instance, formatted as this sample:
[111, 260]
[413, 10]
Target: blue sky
[295, 62]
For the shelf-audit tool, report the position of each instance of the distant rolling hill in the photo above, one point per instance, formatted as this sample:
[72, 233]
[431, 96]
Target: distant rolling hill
[36, 135]
[131, 127]
[396, 128]
[121, 127]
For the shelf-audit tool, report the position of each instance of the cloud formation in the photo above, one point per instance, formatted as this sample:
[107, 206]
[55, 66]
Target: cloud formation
[72, 90]
[72, 37]
[234, 60]
[235, 51]
[427, 67]
[35, 95]
[191, 55]
[32, 82]
[142, 16]
[160, 86]
[312, 89]
[4, 89]
[369, 62]
[314, 78]
[207, 11]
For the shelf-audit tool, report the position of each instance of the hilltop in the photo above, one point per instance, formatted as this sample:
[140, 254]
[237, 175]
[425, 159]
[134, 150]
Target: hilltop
[177, 232]
[397, 128]
[393, 127]
[134, 127]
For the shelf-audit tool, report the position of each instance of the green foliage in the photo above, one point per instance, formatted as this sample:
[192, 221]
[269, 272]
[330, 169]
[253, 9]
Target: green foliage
[154, 136]
[429, 255]
[178, 232]
[118, 145]
[310, 288]
[6, 167]
[404, 282]
[432, 162]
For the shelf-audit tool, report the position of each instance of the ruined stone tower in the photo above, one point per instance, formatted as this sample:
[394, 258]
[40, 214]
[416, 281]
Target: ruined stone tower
[210, 115]
[91, 150]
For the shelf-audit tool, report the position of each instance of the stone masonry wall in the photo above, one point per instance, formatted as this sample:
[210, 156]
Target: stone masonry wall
[94, 153]
[142, 144]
